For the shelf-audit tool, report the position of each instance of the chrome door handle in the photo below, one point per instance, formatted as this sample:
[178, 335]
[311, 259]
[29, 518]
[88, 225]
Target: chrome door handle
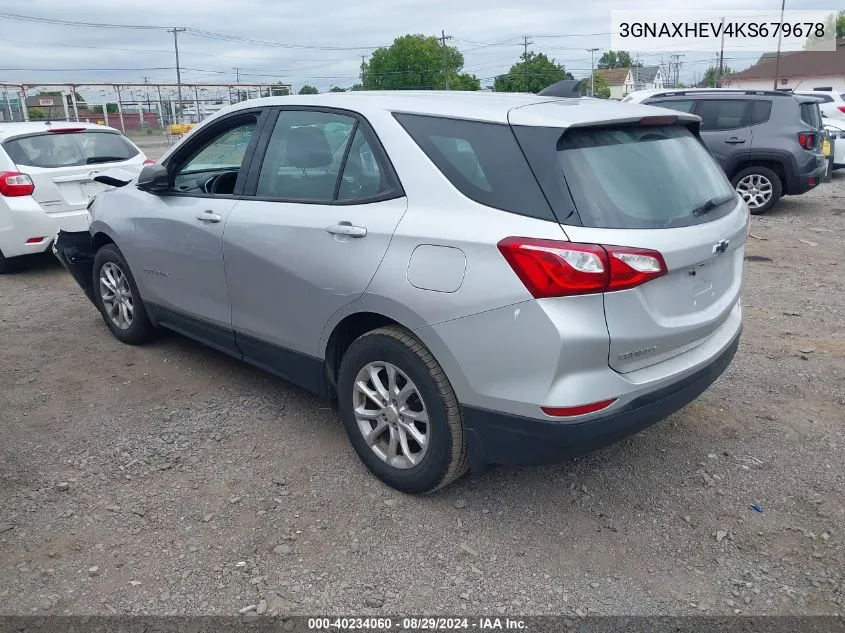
[734, 140]
[209, 216]
[346, 228]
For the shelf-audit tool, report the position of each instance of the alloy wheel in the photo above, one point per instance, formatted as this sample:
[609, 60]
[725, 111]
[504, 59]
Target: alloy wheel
[756, 190]
[116, 295]
[391, 414]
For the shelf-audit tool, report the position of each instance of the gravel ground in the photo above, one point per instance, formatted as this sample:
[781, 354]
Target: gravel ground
[170, 479]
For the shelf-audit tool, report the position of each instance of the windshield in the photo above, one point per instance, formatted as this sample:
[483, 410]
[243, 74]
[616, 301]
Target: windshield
[53, 150]
[642, 177]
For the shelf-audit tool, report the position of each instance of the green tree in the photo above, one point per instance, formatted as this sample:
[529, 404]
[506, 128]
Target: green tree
[357, 87]
[835, 24]
[337, 89]
[711, 76]
[599, 85]
[308, 90]
[616, 59]
[111, 109]
[532, 73]
[416, 61]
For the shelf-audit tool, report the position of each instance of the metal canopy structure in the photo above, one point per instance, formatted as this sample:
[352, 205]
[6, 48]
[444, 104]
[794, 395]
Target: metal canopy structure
[133, 99]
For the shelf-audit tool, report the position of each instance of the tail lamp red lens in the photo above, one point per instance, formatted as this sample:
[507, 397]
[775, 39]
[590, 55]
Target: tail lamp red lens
[807, 140]
[14, 184]
[550, 268]
[841, 108]
[149, 161]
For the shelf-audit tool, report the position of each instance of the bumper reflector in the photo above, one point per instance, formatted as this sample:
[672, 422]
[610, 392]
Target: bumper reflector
[563, 412]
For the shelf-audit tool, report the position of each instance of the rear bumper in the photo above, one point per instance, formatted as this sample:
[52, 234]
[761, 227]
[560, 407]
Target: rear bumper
[25, 219]
[509, 440]
[800, 183]
[73, 250]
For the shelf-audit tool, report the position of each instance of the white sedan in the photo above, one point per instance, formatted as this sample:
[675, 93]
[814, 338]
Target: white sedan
[47, 173]
[837, 131]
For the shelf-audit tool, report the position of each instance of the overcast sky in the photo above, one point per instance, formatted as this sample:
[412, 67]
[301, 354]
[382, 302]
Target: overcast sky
[323, 40]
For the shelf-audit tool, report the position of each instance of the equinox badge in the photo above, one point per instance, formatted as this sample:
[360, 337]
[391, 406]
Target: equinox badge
[720, 247]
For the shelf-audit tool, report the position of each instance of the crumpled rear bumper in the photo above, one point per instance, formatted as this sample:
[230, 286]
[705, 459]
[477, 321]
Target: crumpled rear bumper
[74, 250]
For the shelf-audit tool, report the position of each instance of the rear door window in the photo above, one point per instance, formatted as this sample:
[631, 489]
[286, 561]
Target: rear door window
[724, 114]
[686, 105]
[642, 177]
[482, 160]
[69, 149]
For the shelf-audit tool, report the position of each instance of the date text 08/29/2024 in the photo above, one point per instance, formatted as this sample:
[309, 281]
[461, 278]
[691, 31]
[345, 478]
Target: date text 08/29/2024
[415, 624]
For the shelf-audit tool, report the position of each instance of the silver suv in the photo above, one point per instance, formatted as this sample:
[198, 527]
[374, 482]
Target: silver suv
[477, 279]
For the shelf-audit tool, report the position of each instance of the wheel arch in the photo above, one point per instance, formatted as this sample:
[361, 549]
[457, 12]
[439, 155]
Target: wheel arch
[371, 313]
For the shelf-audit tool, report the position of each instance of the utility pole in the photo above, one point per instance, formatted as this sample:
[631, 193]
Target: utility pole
[525, 43]
[721, 57]
[443, 38]
[237, 75]
[176, 32]
[8, 103]
[592, 72]
[780, 36]
[73, 103]
[160, 109]
[363, 66]
[120, 110]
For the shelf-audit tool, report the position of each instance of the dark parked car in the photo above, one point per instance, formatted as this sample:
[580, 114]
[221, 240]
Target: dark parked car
[769, 143]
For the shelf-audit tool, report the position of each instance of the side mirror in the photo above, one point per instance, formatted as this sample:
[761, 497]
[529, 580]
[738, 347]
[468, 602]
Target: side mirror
[154, 178]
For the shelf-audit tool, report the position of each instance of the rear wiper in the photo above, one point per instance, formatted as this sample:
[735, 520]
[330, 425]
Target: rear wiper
[104, 159]
[712, 203]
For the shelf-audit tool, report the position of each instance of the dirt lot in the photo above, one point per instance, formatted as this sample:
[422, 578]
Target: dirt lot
[170, 479]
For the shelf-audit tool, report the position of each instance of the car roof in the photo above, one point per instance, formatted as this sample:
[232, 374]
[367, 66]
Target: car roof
[496, 107]
[20, 129]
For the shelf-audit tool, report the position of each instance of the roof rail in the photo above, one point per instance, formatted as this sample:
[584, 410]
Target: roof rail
[667, 93]
[569, 88]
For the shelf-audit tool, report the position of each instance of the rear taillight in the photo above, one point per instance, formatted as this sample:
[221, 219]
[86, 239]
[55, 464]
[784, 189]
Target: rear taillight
[841, 108]
[14, 184]
[807, 140]
[550, 268]
[149, 161]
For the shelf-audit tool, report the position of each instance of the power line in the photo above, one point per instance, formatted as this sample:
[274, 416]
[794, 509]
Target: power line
[43, 20]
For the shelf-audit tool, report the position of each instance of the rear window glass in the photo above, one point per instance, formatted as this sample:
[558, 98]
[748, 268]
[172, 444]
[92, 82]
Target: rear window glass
[69, 149]
[482, 160]
[811, 115]
[724, 114]
[760, 112]
[642, 177]
[681, 106]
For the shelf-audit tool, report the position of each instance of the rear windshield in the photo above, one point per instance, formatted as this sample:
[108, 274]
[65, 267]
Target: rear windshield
[69, 149]
[642, 177]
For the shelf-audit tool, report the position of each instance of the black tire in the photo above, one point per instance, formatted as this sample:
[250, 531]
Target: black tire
[141, 329]
[5, 266]
[768, 174]
[446, 458]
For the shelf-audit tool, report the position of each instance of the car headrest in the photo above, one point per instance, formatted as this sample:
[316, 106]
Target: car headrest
[307, 147]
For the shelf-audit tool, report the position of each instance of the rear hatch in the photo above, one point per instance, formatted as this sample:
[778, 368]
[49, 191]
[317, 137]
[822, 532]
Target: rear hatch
[64, 161]
[648, 184]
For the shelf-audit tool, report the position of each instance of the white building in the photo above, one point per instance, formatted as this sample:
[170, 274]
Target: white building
[802, 70]
[624, 80]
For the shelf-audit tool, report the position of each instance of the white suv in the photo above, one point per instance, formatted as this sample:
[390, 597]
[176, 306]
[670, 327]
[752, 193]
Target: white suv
[47, 175]
[832, 104]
